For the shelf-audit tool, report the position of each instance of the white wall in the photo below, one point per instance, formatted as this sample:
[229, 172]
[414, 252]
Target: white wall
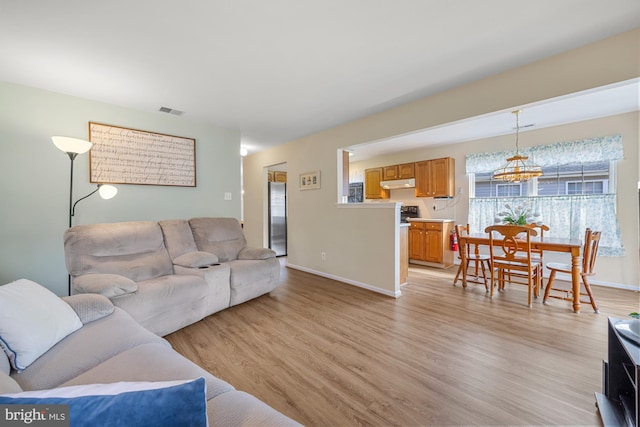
[315, 223]
[34, 184]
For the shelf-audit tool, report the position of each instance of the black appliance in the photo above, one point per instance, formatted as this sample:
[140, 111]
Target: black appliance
[407, 212]
[356, 189]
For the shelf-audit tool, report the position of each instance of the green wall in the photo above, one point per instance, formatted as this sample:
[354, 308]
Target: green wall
[34, 184]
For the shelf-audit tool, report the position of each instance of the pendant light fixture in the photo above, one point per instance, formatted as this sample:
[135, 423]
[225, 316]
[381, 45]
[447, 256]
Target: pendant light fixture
[517, 169]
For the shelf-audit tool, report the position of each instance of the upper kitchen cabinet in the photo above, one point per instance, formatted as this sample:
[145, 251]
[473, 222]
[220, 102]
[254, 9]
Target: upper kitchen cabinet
[372, 188]
[403, 171]
[435, 178]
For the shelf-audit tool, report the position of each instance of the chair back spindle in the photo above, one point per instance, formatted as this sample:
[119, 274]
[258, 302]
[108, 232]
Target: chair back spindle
[590, 251]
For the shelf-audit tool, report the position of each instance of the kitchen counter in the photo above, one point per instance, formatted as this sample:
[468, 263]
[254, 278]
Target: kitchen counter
[429, 220]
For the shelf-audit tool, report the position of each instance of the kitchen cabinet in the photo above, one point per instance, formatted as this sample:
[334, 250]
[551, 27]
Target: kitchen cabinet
[276, 176]
[403, 171]
[435, 178]
[404, 253]
[429, 243]
[372, 188]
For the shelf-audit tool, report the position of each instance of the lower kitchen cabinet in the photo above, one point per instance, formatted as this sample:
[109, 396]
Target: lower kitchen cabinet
[429, 243]
[404, 254]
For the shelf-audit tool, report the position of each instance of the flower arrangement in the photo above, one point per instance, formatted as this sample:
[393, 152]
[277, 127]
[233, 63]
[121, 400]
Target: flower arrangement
[517, 215]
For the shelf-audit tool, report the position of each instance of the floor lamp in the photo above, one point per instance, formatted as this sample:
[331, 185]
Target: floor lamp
[73, 147]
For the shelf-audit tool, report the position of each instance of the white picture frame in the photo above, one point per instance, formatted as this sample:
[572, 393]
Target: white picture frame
[310, 180]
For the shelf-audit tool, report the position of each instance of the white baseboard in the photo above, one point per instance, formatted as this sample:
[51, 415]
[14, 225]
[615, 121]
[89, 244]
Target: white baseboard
[386, 292]
[567, 278]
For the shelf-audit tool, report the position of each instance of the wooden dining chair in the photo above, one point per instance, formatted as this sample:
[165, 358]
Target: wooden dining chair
[510, 256]
[537, 254]
[474, 258]
[589, 254]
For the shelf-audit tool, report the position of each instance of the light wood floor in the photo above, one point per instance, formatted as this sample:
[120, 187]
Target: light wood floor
[331, 354]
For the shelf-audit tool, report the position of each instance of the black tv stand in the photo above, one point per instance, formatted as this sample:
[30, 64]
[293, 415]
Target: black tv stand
[620, 401]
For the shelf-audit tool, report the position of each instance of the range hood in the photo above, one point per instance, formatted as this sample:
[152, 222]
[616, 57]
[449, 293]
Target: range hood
[398, 183]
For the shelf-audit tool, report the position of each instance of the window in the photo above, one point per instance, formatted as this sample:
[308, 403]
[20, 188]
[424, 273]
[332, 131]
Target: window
[569, 196]
[575, 178]
[485, 186]
[506, 190]
[586, 187]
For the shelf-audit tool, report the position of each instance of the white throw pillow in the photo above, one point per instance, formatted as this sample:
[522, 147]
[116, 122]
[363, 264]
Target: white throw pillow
[32, 320]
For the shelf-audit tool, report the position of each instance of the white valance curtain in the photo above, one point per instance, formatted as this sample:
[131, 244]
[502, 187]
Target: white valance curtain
[566, 215]
[599, 149]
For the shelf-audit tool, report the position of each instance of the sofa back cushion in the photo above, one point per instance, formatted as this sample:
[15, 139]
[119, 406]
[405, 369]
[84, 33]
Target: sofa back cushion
[4, 363]
[177, 237]
[222, 237]
[132, 249]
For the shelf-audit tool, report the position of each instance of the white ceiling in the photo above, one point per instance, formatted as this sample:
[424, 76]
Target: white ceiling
[606, 101]
[278, 70]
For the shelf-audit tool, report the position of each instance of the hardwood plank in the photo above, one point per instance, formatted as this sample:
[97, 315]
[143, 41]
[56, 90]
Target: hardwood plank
[327, 353]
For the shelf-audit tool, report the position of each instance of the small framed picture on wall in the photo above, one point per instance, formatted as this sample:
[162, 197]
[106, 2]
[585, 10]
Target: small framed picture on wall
[310, 180]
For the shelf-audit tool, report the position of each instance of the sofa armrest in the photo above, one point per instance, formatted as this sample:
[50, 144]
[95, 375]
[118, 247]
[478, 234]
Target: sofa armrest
[256, 253]
[109, 285]
[196, 259]
[90, 307]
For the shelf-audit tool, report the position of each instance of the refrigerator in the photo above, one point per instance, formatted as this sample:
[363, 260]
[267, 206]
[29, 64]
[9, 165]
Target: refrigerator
[278, 217]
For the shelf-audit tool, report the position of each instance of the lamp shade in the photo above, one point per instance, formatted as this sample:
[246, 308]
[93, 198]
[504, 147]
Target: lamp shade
[71, 145]
[107, 191]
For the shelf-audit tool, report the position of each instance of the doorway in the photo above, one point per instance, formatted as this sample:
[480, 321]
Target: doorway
[277, 208]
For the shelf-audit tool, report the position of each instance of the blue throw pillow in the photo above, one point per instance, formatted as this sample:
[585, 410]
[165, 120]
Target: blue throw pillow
[169, 403]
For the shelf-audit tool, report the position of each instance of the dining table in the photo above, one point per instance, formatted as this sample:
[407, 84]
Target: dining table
[545, 243]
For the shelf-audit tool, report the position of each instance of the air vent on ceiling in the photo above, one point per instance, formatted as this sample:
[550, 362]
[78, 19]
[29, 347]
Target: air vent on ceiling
[171, 111]
[530, 125]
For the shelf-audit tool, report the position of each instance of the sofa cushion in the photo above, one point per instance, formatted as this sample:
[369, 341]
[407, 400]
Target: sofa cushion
[5, 366]
[168, 303]
[32, 320]
[90, 307]
[252, 278]
[171, 403]
[178, 237]
[196, 259]
[150, 362]
[256, 253]
[8, 384]
[109, 285]
[222, 237]
[84, 349]
[238, 408]
[133, 249]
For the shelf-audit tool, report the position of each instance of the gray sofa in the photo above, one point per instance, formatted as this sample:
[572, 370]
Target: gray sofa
[111, 347]
[172, 273]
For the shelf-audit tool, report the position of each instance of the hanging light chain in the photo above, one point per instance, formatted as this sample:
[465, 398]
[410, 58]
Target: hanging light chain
[517, 113]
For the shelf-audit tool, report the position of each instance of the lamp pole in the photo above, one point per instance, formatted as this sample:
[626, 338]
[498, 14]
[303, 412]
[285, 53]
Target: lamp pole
[72, 156]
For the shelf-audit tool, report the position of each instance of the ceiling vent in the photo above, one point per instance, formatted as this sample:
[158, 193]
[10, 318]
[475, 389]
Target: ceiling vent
[530, 125]
[171, 111]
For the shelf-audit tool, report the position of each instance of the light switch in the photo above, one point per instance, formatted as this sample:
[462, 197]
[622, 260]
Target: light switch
[227, 196]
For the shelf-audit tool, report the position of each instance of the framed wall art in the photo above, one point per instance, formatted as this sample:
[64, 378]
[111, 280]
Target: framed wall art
[129, 156]
[310, 180]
